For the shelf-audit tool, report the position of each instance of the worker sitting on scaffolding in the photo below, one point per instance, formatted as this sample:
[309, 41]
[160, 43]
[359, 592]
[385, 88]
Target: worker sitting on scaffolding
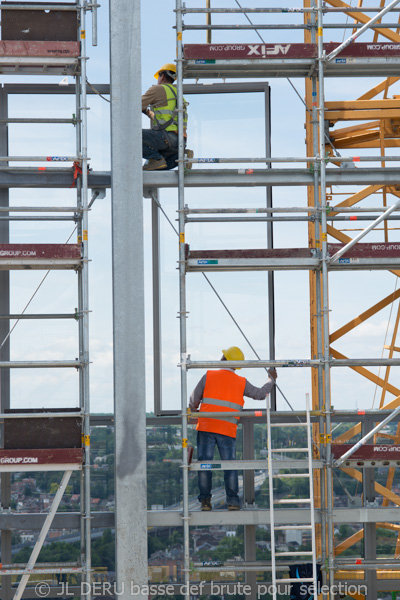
[222, 391]
[159, 103]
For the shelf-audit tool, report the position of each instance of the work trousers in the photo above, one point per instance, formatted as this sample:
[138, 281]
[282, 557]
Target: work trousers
[160, 144]
[206, 443]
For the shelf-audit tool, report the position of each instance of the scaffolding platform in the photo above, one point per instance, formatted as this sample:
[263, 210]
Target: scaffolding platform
[39, 57]
[40, 256]
[360, 257]
[288, 60]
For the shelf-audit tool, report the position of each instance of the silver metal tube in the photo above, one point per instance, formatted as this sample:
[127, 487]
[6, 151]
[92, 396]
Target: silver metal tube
[271, 499]
[279, 26]
[311, 10]
[40, 158]
[318, 302]
[157, 346]
[5, 478]
[94, 7]
[31, 120]
[270, 241]
[42, 364]
[291, 159]
[264, 209]
[40, 571]
[85, 298]
[26, 218]
[247, 219]
[325, 296]
[366, 362]
[78, 141]
[11, 209]
[274, 209]
[364, 232]
[311, 487]
[254, 364]
[360, 31]
[182, 300]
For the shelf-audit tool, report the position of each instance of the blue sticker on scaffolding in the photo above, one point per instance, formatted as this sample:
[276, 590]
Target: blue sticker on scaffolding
[207, 262]
[205, 466]
[341, 60]
[344, 261]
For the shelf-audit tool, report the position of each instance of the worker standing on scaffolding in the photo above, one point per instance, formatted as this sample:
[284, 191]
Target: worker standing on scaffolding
[222, 391]
[159, 103]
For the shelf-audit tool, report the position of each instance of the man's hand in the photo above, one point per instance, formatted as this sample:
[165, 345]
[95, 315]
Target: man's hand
[150, 113]
[272, 373]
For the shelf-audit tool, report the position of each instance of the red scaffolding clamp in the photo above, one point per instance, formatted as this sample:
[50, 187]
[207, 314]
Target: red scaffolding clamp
[77, 171]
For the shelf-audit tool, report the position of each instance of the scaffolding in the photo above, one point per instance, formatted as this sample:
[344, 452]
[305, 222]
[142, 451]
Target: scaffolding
[44, 39]
[312, 60]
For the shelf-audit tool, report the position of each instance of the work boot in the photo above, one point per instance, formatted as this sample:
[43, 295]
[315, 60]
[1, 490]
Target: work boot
[206, 504]
[233, 507]
[188, 154]
[154, 164]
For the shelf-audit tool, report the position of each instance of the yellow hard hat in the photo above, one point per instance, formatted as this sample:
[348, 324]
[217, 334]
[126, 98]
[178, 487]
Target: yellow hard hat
[233, 353]
[170, 68]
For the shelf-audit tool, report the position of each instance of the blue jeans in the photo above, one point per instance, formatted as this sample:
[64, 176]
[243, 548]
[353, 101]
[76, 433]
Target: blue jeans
[206, 443]
[160, 144]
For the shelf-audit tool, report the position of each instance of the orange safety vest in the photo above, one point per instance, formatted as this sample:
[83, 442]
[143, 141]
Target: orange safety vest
[223, 392]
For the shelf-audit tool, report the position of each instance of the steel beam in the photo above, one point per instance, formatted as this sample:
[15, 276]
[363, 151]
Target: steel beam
[63, 178]
[295, 516]
[263, 177]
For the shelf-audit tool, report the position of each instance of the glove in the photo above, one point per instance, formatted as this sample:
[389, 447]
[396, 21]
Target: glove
[272, 373]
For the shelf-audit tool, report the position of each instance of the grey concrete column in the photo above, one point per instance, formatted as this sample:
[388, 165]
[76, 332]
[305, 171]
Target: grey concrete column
[128, 297]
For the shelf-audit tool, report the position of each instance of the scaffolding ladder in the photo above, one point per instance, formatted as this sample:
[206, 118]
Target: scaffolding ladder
[274, 474]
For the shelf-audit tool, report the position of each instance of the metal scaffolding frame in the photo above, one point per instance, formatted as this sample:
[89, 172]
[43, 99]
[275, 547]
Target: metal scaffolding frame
[57, 256]
[319, 176]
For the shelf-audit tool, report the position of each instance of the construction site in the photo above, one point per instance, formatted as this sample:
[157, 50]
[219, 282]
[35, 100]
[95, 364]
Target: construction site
[275, 237]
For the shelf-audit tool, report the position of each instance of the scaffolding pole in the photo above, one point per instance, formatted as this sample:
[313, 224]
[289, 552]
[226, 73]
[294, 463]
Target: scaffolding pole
[325, 296]
[182, 299]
